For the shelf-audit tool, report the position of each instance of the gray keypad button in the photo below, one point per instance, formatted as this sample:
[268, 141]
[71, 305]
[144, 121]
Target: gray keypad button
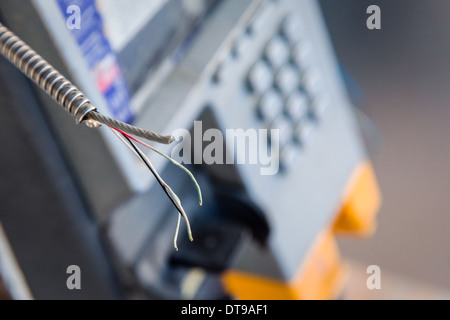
[303, 130]
[223, 69]
[260, 77]
[287, 79]
[297, 106]
[270, 105]
[286, 130]
[301, 55]
[287, 155]
[311, 81]
[292, 28]
[277, 52]
[258, 21]
[241, 45]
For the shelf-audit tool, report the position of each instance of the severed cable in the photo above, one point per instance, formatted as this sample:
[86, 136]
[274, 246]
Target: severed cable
[68, 96]
[169, 192]
[149, 135]
[62, 90]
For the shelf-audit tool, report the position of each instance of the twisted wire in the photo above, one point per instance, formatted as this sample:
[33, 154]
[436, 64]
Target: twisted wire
[150, 135]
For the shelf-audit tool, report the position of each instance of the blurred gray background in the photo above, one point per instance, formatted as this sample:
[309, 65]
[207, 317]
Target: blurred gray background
[404, 71]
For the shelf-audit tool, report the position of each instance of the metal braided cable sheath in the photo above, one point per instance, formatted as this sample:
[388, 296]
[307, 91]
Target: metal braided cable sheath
[149, 135]
[60, 89]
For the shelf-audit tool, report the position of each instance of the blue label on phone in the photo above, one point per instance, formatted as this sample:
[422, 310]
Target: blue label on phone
[101, 58]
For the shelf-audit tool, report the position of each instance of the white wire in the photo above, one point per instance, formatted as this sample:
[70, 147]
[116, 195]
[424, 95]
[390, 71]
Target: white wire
[169, 190]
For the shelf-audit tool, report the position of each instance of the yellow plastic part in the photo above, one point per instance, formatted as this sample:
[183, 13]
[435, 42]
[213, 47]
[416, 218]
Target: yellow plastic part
[320, 277]
[361, 204]
[323, 274]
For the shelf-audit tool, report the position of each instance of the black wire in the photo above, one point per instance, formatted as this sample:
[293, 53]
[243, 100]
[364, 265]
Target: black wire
[139, 152]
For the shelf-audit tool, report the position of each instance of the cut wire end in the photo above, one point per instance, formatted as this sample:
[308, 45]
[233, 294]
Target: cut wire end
[127, 140]
[175, 238]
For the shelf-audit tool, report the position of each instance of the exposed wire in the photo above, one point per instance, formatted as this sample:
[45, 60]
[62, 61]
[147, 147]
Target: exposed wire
[169, 192]
[179, 165]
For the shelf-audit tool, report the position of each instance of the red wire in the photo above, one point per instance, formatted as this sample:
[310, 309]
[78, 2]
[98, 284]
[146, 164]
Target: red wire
[129, 136]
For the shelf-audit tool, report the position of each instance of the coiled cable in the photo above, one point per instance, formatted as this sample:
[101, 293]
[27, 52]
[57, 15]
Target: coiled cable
[62, 90]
